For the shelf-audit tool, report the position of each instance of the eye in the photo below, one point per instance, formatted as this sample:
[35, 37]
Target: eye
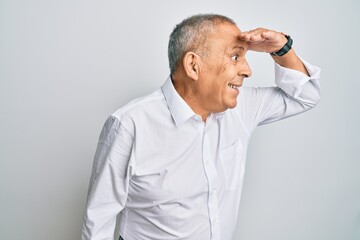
[235, 57]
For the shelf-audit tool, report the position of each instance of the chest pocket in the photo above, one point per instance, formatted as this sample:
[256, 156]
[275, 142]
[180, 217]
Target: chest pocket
[231, 161]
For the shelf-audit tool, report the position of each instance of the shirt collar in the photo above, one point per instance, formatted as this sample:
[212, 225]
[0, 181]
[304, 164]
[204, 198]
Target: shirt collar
[179, 109]
[220, 115]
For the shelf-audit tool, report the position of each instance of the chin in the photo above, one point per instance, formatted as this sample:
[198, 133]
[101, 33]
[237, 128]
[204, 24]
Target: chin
[232, 105]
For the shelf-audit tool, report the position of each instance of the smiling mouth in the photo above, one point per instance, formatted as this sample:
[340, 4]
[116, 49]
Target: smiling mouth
[234, 86]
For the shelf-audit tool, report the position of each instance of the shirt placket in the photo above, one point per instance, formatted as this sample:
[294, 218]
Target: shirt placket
[211, 175]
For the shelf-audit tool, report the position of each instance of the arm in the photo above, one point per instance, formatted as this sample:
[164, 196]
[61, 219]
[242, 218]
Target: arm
[109, 181]
[298, 85]
[292, 61]
[295, 93]
[264, 40]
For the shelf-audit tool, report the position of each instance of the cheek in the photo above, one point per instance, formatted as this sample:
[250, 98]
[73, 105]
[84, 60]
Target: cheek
[228, 71]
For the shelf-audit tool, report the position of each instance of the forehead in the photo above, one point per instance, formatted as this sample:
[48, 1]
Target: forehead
[228, 35]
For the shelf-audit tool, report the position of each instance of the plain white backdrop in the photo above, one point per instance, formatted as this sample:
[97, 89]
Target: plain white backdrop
[66, 65]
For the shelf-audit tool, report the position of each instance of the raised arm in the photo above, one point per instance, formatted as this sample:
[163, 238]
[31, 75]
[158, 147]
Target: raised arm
[298, 87]
[269, 41]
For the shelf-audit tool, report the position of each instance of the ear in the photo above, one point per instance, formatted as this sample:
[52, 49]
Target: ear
[191, 64]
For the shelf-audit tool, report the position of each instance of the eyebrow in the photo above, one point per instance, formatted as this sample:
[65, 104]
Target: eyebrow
[241, 47]
[237, 47]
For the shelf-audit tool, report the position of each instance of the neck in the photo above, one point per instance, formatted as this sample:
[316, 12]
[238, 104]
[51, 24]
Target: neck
[186, 88]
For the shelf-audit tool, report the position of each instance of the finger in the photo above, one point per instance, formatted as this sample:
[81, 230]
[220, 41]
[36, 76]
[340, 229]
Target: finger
[245, 36]
[252, 37]
[257, 30]
[257, 38]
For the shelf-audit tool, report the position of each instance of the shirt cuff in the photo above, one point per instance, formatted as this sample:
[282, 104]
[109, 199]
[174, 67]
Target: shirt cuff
[292, 81]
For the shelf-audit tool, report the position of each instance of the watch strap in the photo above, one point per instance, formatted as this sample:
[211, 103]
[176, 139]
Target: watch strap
[285, 49]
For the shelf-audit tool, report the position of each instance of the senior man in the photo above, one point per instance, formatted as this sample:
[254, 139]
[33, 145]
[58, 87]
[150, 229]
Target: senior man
[171, 164]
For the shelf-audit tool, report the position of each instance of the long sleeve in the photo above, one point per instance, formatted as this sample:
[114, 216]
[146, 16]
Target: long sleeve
[295, 93]
[109, 181]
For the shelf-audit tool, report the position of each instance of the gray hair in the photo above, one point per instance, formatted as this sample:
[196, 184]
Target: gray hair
[191, 35]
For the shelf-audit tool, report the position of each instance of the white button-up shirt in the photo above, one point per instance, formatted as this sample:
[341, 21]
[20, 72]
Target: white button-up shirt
[172, 176]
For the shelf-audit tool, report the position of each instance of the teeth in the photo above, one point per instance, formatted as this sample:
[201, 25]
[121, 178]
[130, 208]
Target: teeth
[232, 86]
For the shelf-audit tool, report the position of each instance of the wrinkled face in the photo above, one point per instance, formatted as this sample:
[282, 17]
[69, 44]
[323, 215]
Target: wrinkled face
[223, 70]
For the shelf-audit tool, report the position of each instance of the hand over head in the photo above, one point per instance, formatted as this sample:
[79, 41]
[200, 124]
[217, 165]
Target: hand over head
[263, 40]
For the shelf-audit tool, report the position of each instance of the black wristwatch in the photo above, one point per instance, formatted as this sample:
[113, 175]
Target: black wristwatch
[286, 48]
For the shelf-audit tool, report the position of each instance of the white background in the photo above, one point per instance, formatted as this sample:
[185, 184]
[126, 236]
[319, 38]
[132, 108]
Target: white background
[66, 65]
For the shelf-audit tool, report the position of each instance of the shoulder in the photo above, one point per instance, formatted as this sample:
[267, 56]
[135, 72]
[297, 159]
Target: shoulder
[140, 109]
[139, 104]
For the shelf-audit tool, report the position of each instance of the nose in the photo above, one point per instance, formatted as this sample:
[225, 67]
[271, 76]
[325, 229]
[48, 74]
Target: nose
[244, 69]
